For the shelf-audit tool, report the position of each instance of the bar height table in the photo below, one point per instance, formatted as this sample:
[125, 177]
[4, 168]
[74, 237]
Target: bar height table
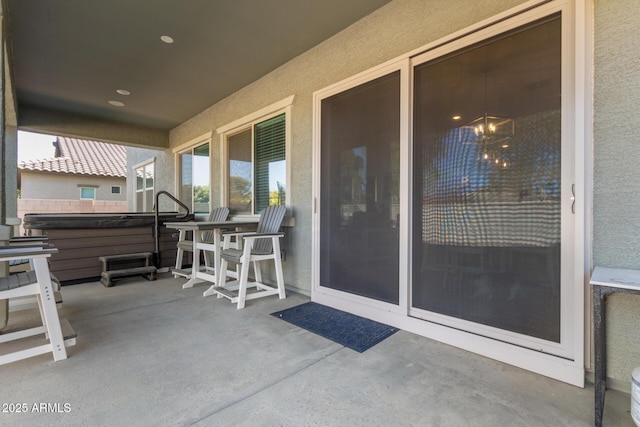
[606, 281]
[198, 228]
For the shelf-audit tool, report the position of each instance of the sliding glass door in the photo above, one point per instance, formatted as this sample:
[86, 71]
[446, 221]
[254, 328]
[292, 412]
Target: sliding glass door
[360, 190]
[448, 192]
[487, 166]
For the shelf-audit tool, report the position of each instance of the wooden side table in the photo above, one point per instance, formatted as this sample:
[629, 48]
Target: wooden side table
[606, 281]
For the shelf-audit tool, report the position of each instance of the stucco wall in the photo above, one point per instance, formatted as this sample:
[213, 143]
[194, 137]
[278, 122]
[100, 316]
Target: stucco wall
[616, 196]
[393, 30]
[164, 174]
[55, 186]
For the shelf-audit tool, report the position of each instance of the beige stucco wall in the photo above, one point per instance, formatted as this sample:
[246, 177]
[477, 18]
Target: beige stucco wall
[164, 174]
[393, 30]
[58, 186]
[616, 195]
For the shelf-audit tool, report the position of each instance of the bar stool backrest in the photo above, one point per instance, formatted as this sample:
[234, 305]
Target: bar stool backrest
[217, 215]
[270, 222]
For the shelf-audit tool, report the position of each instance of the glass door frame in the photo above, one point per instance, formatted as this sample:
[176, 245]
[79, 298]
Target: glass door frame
[567, 293]
[345, 299]
[564, 361]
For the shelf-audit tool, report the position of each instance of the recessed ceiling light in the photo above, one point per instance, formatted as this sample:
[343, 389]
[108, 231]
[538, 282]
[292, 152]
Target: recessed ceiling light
[167, 39]
[456, 117]
[123, 92]
[117, 103]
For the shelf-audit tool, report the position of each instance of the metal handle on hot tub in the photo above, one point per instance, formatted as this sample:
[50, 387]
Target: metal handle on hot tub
[156, 210]
[172, 197]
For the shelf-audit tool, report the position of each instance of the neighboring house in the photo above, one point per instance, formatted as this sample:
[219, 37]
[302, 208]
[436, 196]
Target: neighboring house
[83, 176]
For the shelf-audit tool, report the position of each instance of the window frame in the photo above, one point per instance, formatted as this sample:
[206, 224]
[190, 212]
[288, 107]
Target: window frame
[86, 187]
[143, 166]
[118, 187]
[245, 123]
[189, 147]
[568, 290]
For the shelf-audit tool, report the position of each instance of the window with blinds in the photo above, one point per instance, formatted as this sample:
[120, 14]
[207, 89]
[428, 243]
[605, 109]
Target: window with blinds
[270, 171]
[257, 166]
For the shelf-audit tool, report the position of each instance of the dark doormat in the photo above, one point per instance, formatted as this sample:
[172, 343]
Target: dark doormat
[347, 329]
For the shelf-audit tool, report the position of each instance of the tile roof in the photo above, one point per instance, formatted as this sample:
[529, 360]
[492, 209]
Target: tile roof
[83, 157]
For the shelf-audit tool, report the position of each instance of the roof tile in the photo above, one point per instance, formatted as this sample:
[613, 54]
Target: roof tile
[84, 157]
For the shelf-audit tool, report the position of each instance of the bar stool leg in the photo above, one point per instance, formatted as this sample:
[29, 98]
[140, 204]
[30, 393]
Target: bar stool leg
[49, 309]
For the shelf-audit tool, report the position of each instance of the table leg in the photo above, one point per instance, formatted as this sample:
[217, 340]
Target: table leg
[600, 352]
[216, 261]
[195, 267]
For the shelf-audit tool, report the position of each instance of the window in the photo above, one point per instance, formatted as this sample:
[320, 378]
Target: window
[115, 189]
[145, 176]
[240, 172]
[87, 193]
[194, 178]
[255, 160]
[257, 166]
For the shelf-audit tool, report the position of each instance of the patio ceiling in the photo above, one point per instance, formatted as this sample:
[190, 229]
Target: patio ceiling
[73, 55]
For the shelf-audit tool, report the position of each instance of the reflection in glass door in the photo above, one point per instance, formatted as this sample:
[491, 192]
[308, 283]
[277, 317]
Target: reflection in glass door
[360, 161]
[194, 178]
[486, 183]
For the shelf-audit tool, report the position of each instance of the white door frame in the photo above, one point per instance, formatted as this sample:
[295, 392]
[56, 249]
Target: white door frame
[568, 362]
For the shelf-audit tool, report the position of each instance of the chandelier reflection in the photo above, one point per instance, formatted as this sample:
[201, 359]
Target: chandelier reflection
[491, 135]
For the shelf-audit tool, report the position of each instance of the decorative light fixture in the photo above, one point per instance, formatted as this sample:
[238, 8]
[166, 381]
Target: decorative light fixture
[488, 129]
[490, 133]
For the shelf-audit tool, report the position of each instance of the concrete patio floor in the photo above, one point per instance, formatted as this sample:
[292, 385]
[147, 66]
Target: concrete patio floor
[153, 354]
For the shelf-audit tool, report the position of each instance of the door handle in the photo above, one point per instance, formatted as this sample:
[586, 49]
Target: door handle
[573, 198]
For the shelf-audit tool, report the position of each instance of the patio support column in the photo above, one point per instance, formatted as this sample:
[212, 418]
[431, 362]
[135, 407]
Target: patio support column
[5, 231]
[8, 134]
[3, 142]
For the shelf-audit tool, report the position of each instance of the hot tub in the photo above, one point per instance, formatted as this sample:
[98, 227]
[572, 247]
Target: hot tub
[82, 238]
